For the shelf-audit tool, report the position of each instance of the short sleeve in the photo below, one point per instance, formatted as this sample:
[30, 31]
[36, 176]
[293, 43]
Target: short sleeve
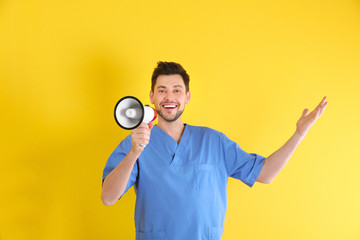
[240, 164]
[115, 159]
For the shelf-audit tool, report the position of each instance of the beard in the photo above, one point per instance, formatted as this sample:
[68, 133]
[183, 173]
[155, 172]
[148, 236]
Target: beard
[170, 119]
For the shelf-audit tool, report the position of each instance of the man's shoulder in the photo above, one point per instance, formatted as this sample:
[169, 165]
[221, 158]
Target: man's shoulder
[125, 144]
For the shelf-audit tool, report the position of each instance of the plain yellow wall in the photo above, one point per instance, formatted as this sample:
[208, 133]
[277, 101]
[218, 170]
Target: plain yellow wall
[254, 66]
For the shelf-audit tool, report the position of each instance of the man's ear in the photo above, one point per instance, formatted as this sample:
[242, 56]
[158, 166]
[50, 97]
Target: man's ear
[188, 96]
[151, 97]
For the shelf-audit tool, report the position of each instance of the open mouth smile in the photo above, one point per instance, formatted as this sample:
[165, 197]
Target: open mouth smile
[169, 106]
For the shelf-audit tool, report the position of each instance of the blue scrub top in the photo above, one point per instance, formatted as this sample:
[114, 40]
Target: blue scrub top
[181, 188]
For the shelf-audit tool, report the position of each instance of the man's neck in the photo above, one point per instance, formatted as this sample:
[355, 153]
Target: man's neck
[174, 129]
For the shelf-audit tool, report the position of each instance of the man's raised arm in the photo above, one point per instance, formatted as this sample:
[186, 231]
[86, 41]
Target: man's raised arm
[115, 183]
[277, 161]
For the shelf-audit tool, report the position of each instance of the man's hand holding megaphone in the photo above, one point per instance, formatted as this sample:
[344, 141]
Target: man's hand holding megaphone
[140, 137]
[131, 114]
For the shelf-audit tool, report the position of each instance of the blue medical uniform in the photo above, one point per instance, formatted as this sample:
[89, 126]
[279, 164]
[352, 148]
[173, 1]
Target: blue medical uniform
[181, 188]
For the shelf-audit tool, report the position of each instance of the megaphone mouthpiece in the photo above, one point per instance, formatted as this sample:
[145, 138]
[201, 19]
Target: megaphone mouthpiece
[134, 113]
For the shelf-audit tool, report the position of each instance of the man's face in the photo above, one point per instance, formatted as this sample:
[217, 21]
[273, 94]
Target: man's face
[170, 96]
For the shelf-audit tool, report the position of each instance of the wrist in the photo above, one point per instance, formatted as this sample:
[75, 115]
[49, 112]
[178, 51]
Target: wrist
[299, 136]
[135, 153]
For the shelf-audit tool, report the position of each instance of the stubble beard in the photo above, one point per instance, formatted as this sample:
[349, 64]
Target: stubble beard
[176, 117]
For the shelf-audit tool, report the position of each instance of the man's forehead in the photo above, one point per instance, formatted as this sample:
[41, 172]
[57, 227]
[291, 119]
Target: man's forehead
[169, 81]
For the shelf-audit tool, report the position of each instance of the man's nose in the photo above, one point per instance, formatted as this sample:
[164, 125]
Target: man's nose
[169, 96]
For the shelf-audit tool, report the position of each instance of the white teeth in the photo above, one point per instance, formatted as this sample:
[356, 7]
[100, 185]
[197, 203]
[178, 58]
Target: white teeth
[169, 106]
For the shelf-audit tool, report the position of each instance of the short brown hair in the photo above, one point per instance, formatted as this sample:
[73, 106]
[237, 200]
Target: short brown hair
[169, 68]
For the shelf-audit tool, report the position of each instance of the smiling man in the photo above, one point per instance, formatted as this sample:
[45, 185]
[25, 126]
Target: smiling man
[171, 95]
[180, 172]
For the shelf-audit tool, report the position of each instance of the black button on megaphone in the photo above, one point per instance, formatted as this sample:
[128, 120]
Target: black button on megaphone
[129, 113]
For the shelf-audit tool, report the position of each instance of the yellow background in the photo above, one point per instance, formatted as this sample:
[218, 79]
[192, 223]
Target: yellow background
[254, 66]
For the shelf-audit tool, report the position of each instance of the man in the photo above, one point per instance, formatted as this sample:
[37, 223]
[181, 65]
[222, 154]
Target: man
[180, 171]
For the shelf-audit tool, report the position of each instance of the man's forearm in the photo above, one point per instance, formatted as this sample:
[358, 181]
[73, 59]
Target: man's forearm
[115, 183]
[277, 161]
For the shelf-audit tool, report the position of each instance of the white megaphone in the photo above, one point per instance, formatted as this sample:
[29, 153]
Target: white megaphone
[129, 113]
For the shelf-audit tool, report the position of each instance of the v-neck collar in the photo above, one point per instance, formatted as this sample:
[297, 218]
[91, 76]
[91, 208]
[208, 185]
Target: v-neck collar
[165, 134]
[175, 148]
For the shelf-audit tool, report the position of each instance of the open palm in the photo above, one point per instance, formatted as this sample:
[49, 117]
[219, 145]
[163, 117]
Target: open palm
[307, 120]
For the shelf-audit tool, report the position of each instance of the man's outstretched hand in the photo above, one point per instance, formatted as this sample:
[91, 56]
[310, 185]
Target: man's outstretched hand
[307, 120]
[277, 161]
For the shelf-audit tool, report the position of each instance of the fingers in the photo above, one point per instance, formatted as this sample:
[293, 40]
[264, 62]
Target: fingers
[318, 111]
[142, 125]
[323, 100]
[140, 137]
[322, 103]
[321, 107]
[305, 112]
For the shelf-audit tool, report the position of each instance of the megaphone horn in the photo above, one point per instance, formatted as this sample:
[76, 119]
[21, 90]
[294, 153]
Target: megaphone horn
[129, 113]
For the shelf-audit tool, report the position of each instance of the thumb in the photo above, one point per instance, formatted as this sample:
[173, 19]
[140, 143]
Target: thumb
[151, 125]
[305, 112]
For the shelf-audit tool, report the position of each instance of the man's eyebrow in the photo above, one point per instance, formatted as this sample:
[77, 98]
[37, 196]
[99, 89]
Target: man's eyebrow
[161, 86]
